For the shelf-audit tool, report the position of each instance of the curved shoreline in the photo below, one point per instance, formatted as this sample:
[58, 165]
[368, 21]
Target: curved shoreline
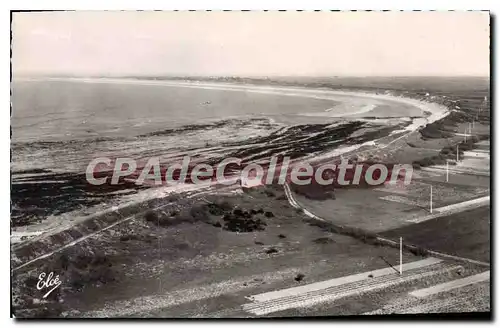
[437, 111]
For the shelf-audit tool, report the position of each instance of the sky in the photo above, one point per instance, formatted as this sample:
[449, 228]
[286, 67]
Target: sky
[251, 43]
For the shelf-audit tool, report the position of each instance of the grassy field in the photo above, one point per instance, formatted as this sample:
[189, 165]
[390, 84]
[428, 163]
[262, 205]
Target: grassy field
[251, 241]
[465, 234]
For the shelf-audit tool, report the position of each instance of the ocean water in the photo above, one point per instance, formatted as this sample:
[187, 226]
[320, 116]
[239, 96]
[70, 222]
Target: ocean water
[63, 110]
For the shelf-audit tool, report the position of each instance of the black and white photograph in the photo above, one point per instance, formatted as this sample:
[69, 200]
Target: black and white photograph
[250, 164]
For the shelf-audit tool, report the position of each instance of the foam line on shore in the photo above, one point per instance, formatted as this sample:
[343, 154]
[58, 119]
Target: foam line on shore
[437, 111]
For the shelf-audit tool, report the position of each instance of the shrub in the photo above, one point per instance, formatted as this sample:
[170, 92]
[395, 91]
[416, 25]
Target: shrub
[151, 216]
[269, 214]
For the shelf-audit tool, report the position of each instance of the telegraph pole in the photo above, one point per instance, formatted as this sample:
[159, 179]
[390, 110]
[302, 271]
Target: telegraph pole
[400, 256]
[431, 200]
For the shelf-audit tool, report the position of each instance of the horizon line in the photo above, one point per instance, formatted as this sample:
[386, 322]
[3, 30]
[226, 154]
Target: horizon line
[138, 75]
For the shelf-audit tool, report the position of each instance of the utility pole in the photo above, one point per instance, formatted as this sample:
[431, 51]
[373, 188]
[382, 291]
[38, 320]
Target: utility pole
[447, 168]
[400, 256]
[431, 200]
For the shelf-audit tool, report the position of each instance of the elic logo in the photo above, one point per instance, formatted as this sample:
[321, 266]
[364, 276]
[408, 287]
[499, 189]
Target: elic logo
[48, 282]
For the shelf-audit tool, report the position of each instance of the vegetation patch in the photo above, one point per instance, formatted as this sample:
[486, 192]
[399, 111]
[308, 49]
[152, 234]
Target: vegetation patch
[242, 221]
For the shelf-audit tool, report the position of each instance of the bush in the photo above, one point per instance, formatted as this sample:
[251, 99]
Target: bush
[151, 216]
[271, 250]
[429, 161]
[323, 240]
[242, 224]
[299, 277]
[199, 212]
